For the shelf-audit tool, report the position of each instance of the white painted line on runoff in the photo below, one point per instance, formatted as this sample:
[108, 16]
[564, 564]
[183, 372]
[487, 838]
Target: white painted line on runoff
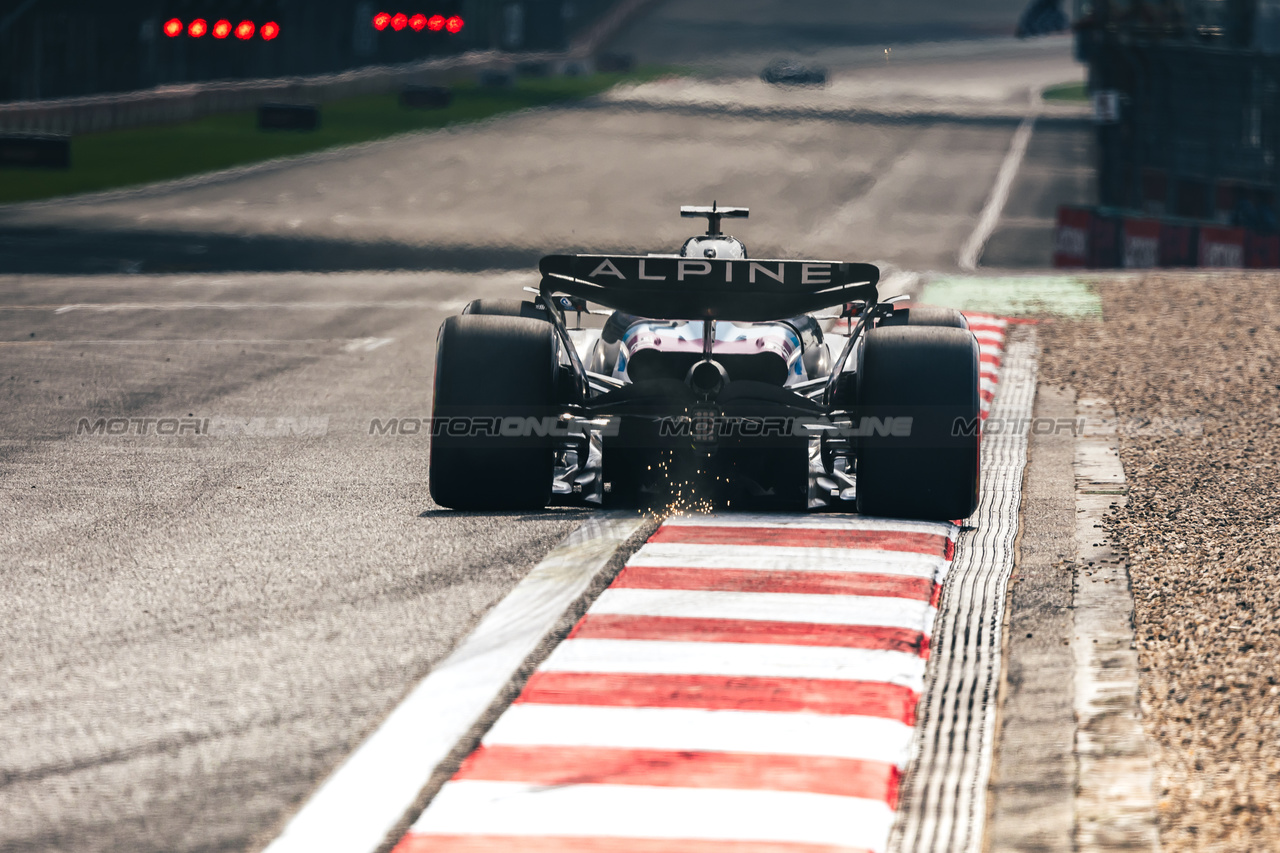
[869, 610]
[363, 800]
[366, 344]
[971, 251]
[106, 307]
[637, 811]
[739, 660]
[701, 730]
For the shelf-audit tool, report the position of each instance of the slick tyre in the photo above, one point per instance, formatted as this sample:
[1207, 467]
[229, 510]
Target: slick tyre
[506, 308]
[492, 373]
[926, 315]
[918, 404]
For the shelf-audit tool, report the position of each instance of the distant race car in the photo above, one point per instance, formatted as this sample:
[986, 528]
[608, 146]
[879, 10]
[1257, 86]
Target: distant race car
[788, 72]
[711, 377]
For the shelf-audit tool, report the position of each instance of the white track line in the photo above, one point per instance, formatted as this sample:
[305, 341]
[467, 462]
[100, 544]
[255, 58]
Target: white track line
[357, 806]
[990, 216]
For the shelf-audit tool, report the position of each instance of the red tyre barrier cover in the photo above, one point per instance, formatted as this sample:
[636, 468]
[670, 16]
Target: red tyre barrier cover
[1221, 246]
[1104, 241]
[1071, 238]
[1262, 251]
[1177, 244]
[1140, 248]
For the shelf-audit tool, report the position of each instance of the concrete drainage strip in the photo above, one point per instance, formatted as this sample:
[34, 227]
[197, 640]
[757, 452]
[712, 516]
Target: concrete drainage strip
[1053, 758]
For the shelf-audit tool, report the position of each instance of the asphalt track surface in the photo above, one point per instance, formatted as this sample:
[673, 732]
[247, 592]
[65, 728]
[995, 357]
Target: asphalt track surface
[197, 628]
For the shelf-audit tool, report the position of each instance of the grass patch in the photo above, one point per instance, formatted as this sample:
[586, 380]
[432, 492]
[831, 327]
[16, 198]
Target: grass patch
[1066, 92]
[121, 158]
[1016, 296]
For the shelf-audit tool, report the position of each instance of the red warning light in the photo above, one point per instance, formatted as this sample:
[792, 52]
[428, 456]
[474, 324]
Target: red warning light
[173, 28]
[400, 21]
[269, 30]
[435, 23]
[454, 24]
[417, 22]
[198, 28]
[222, 29]
[244, 30]
[381, 21]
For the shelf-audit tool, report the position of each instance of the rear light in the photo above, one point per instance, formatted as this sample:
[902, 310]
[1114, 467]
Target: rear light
[269, 30]
[222, 29]
[381, 21]
[198, 28]
[173, 28]
[454, 24]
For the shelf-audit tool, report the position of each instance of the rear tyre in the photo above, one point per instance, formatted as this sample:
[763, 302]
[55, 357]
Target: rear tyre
[926, 315]
[490, 368]
[925, 467]
[507, 308]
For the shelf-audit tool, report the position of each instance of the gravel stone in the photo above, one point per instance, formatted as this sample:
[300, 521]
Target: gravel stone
[1189, 360]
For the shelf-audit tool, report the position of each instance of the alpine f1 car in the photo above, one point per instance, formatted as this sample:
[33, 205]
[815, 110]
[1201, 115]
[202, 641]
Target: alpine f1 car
[771, 384]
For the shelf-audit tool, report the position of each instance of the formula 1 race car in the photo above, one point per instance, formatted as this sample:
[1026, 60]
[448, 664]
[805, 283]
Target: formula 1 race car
[712, 382]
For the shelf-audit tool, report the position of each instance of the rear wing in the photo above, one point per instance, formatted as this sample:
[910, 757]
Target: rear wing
[675, 288]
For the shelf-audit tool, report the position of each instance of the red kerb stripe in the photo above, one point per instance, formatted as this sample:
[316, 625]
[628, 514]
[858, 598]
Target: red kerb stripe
[423, 843]
[802, 537]
[749, 580]
[723, 693]
[989, 358]
[606, 626]
[574, 765]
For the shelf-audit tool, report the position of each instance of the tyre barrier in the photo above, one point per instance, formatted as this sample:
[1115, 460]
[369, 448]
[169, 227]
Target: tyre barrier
[1102, 238]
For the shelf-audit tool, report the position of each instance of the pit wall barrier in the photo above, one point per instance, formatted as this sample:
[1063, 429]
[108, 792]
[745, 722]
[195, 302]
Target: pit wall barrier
[186, 102]
[1104, 238]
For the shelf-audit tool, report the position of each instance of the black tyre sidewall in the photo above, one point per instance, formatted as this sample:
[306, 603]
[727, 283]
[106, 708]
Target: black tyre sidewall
[931, 375]
[487, 367]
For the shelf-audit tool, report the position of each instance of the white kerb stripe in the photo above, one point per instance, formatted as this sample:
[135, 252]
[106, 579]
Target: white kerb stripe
[789, 559]
[768, 606]
[639, 811]
[701, 730]
[814, 522]
[739, 660]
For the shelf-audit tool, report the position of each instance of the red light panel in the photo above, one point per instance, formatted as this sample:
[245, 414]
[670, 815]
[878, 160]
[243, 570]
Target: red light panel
[417, 22]
[435, 23]
[381, 21]
[244, 30]
[454, 24]
[269, 30]
[400, 21]
[222, 29]
[173, 28]
[198, 28]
